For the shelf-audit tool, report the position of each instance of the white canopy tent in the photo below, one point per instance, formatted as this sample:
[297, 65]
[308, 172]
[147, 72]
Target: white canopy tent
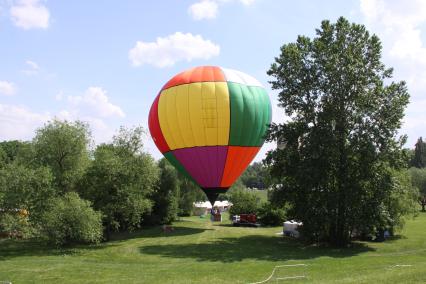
[204, 207]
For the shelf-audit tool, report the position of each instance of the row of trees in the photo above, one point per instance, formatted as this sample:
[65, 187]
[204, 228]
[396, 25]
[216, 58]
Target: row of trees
[58, 187]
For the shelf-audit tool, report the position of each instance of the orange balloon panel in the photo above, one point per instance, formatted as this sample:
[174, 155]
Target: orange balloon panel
[237, 160]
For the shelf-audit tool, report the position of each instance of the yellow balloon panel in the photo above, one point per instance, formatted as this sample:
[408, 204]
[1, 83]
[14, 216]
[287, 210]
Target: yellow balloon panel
[196, 114]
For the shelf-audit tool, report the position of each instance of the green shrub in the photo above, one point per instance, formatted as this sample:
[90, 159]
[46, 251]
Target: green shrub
[269, 215]
[15, 225]
[243, 202]
[70, 219]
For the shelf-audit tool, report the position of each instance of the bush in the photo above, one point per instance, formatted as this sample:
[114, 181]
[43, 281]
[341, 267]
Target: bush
[243, 202]
[15, 225]
[271, 216]
[166, 196]
[70, 219]
[118, 183]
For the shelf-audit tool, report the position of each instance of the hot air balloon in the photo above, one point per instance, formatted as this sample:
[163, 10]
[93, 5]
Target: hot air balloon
[209, 123]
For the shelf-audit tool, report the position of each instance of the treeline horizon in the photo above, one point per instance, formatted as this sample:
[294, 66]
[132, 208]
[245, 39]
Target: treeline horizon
[117, 186]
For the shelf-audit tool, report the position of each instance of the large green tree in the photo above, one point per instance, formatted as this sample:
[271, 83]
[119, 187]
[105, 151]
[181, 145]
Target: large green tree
[120, 180]
[63, 146]
[339, 149]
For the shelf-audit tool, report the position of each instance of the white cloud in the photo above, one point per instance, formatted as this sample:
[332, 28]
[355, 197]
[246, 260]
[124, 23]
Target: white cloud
[247, 2]
[95, 101]
[30, 14]
[205, 9]
[7, 88]
[32, 68]
[208, 9]
[399, 25]
[32, 65]
[20, 123]
[93, 107]
[398, 22]
[101, 131]
[166, 51]
[17, 122]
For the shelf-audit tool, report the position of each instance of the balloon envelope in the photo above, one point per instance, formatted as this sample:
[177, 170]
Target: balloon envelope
[209, 122]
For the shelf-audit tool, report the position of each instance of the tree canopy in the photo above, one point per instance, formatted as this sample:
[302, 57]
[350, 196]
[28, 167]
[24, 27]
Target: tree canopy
[63, 146]
[341, 145]
[119, 181]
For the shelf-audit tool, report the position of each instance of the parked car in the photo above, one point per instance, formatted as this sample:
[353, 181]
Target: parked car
[249, 220]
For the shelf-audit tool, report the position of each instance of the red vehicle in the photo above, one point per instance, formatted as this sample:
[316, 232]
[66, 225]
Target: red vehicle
[245, 220]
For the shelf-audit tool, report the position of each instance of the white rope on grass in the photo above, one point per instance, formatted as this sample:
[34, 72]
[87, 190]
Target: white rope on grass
[284, 278]
[398, 265]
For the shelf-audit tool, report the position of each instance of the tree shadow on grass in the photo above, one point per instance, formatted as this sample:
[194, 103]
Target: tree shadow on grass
[257, 247]
[157, 231]
[10, 248]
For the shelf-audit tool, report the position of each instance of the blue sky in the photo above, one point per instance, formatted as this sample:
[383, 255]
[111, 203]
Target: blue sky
[104, 61]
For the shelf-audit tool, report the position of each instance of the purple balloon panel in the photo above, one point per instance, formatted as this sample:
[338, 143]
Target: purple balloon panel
[205, 164]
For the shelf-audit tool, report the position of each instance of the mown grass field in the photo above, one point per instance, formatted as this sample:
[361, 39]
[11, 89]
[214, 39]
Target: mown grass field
[201, 252]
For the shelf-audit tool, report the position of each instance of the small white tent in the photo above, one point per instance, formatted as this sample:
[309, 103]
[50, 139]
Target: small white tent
[201, 208]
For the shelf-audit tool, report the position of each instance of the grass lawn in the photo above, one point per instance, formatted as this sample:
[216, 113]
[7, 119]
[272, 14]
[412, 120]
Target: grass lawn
[201, 252]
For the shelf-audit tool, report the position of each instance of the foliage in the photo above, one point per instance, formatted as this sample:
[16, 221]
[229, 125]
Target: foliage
[15, 151]
[270, 215]
[3, 157]
[255, 176]
[129, 139]
[419, 158]
[418, 179]
[63, 146]
[15, 225]
[236, 186]
[70, 219]
[401, 203]
[340, 141]
[394, 206]
[166, 195]
[25, 188]
[118, 183]
[243, 201]
[189, 192]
